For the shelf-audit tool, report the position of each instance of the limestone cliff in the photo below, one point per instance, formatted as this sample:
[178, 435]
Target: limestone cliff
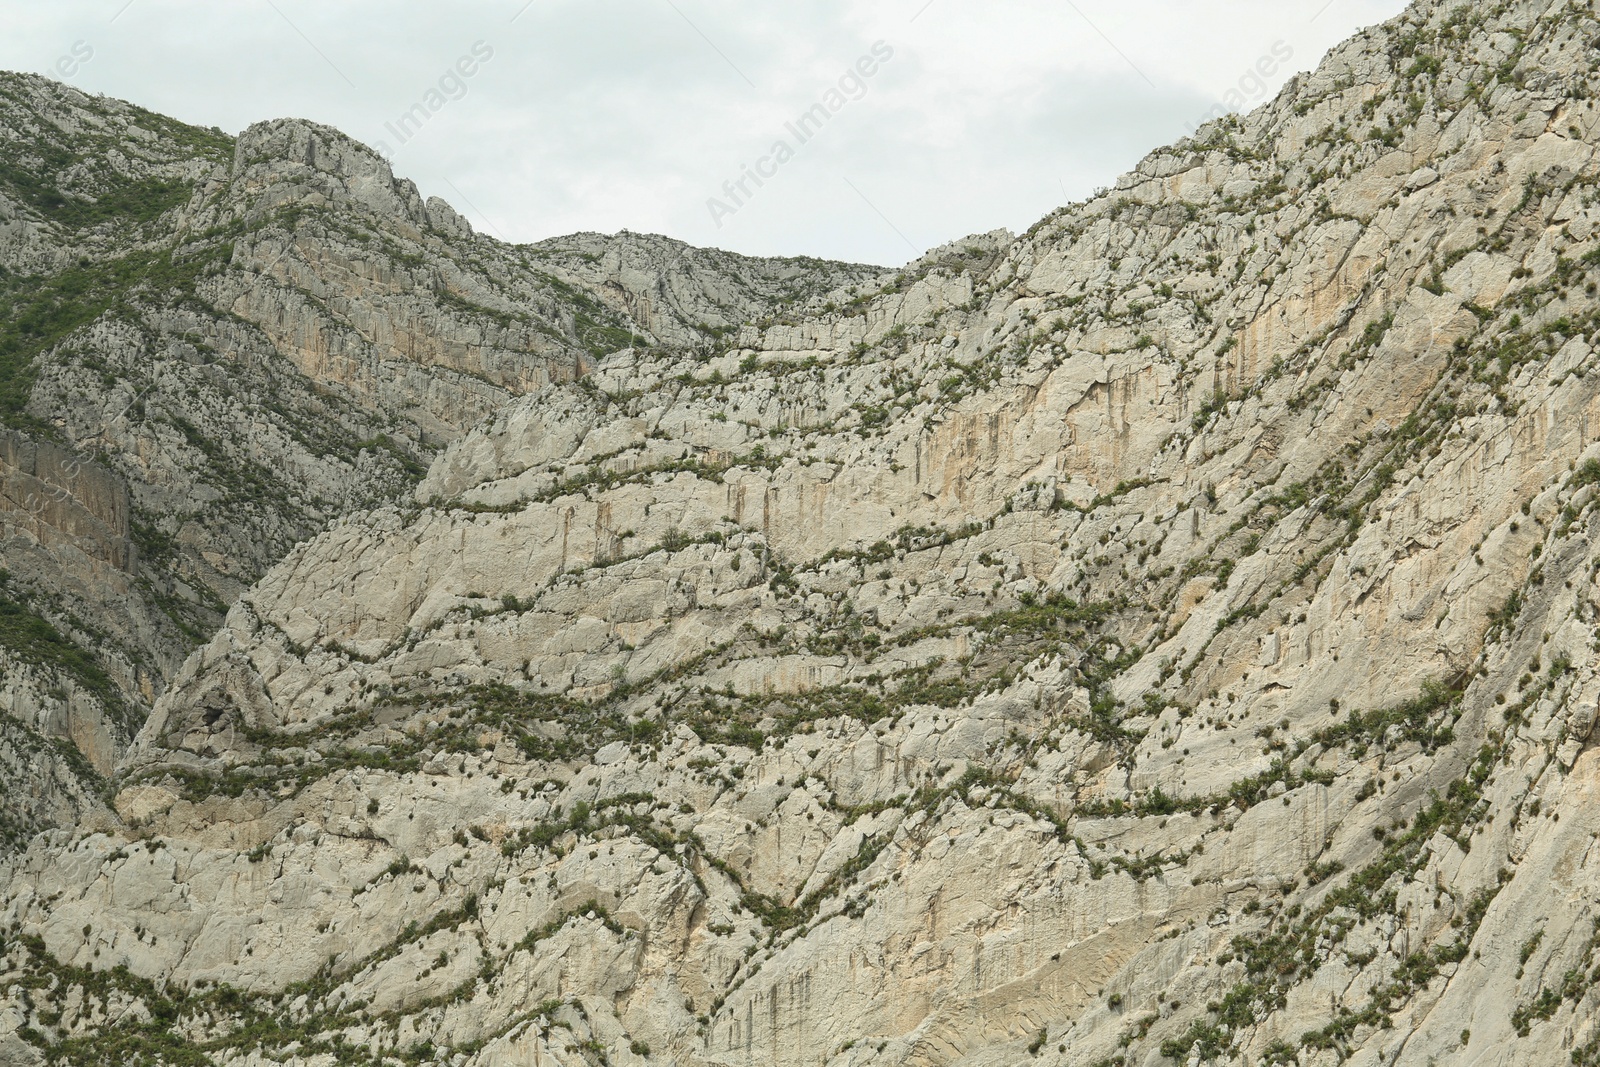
[212, 347]
[1164, 637]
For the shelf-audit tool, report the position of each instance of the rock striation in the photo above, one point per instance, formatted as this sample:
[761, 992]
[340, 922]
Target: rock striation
[1166, 636]
[214, 346]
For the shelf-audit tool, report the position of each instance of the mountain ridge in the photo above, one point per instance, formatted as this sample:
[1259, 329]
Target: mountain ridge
[250, 336]
[1166, 636]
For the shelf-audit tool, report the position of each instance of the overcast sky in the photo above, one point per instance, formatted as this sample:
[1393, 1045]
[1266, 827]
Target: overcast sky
[632, 114]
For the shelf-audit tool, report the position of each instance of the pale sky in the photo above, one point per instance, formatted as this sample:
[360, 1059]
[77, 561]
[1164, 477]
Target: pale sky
[632, 114]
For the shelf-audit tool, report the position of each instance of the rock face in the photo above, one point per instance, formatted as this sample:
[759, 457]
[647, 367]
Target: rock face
[1165, 637]
[211, 347]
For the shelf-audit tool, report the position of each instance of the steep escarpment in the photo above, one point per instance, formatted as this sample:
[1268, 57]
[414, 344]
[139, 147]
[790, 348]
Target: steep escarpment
[1165, 637]
[212, 346]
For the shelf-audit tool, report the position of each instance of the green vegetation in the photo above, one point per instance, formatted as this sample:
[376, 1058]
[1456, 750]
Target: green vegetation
[596, 326]
[199, 1027]
[1281, 956]
[32, 639]
[39, 312]
[42, 154]
[119, 199]
[1418, 720]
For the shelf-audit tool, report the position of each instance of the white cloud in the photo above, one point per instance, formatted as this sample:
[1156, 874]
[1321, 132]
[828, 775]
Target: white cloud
[610, 114]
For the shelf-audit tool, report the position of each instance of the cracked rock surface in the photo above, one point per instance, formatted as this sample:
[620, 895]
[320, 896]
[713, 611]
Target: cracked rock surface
[212, 347]
[1166, 636]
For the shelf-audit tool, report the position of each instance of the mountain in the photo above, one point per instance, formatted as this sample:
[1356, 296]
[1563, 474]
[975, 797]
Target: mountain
[1167, 636]
[211, 348]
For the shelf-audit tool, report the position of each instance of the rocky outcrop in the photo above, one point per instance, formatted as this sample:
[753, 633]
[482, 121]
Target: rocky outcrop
[247, 338]
[69, 504]
[1165, 636]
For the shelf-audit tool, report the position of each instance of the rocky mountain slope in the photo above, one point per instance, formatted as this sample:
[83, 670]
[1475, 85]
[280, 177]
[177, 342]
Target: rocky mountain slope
[210, 347]
[1165, 637]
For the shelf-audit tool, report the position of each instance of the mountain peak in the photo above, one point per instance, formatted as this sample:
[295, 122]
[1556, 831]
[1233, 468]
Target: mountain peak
[306, 158]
